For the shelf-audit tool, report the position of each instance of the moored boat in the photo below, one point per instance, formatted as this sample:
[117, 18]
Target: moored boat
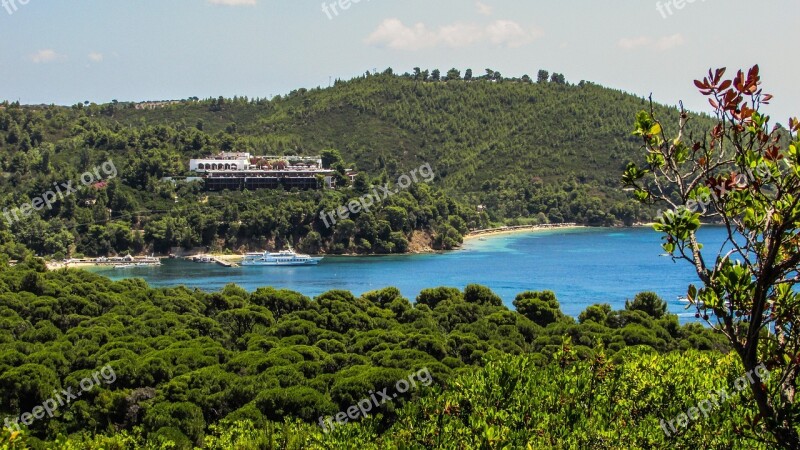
[282, 258]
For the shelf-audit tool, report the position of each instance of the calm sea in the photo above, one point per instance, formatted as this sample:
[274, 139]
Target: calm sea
[582, 266]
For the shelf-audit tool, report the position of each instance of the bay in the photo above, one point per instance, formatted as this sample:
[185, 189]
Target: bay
[582, 266]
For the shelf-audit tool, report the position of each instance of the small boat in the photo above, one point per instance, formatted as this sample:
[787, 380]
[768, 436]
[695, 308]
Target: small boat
[124, 266]
[282, 258]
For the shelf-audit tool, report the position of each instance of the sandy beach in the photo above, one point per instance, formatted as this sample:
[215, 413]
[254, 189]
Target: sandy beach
[519, 229]
[54, 265]
[81, 264]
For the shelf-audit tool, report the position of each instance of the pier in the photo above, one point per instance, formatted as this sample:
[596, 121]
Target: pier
[208, 259]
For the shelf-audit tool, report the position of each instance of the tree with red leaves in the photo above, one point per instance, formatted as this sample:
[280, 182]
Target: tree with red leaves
[744, 174]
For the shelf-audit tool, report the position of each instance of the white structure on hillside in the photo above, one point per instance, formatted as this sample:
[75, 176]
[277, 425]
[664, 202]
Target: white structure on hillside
[223, 161]
[241, 162]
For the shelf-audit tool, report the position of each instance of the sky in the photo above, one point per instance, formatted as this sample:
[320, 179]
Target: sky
[70, 51]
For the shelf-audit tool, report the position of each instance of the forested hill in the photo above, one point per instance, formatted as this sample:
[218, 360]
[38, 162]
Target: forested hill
[519, 146]
[531, 152]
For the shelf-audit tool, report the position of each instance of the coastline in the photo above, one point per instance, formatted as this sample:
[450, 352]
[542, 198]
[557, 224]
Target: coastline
[473, 235]
[55, 265]
[520, 229]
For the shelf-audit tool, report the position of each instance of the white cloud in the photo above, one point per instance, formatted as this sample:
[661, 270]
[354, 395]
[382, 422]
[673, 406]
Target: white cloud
[663, 43]
[484, 9]
[96, 56]
[670, 42]
[633, 43]
[45, 56]
[458, 35]
[394, 34]
[510, 34]
[233, 2]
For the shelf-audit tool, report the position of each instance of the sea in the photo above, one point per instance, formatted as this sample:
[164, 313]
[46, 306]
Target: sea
[583, 266]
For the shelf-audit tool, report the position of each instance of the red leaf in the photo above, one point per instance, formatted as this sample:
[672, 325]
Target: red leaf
[753, 73]
[739, 82]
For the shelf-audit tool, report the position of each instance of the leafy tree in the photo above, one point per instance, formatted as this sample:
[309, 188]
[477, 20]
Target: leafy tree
[542, 76]
[481, 295]
[432, 297]
[648, 302]
[297, 401]
[540, 307]
[558, 78]
[743, 174]
[595, 313]
[331, 158]
[453, 74]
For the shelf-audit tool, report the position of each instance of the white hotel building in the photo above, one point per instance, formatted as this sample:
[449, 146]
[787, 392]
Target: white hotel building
[237, 171]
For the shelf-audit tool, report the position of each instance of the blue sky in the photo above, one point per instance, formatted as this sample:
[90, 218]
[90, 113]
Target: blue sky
[64, 52]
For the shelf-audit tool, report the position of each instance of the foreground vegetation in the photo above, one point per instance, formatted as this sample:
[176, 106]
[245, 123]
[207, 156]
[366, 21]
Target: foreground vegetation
[186, 360]
[513, 403]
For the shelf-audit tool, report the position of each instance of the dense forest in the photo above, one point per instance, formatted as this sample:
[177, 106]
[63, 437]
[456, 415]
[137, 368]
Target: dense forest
[503, 150]
[185, 362]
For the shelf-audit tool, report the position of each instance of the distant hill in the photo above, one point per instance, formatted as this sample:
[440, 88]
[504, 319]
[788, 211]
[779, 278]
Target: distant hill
[519, 147]
[503, 151]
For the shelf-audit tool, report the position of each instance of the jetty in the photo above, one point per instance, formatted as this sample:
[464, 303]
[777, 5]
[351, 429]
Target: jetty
[224, 263]
[209, 259]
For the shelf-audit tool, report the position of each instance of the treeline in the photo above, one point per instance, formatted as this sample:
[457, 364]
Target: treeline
[136, 211]
[185, 360]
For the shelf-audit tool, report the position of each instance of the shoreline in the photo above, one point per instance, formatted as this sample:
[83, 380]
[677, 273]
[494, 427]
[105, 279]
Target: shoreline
[472, 236]
[520, 229]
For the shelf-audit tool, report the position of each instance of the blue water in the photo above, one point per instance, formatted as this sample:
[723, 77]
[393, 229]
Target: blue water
[582, 266]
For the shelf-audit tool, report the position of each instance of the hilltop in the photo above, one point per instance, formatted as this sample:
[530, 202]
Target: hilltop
[518, 146]
[503, 150]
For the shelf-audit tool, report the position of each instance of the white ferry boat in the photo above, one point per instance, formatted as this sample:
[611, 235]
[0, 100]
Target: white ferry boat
[282, 258]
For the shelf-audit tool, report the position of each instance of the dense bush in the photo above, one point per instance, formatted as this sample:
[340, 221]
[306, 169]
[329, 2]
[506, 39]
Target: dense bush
[185, 360]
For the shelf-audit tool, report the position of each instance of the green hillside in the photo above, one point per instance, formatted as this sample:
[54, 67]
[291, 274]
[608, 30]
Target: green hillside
[529, 152]
[484, 137]
[502, 143]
